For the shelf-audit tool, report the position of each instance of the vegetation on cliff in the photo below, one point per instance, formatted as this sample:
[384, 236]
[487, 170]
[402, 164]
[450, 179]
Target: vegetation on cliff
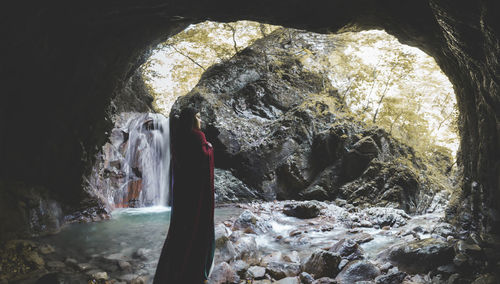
[380, 81]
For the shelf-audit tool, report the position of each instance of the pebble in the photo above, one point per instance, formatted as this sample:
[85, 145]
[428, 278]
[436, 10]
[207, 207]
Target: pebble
[288, 280]
[128, 277]
[140, 280]
[124, 265]
[100, 275]
[84, 266]
[47, 249]
[256, 272]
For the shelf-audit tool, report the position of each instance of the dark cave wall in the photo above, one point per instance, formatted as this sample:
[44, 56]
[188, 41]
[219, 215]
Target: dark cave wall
[63, 62]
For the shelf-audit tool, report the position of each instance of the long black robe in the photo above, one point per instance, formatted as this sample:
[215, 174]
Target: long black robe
[188, 251]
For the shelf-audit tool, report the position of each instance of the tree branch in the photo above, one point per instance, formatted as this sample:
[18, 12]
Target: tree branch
[188, 57]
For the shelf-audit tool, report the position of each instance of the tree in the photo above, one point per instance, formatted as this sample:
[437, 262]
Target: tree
[178, 63]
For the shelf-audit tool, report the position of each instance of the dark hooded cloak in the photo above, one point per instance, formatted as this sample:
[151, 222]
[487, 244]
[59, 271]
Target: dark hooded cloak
[188, 251]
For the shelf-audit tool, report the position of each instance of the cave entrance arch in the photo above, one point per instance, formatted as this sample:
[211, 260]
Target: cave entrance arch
[79, 56]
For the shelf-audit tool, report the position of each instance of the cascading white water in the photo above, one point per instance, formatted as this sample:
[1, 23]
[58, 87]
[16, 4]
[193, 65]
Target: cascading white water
[147, 158]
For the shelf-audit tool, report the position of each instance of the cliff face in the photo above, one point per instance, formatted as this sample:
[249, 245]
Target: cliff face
[63, 63]
[285, 133]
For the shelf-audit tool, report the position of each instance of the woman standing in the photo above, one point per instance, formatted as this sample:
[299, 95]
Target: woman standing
[188, 251]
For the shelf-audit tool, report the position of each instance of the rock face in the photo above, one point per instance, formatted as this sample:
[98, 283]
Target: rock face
[302, 210]
[230, 189]
[34, 213]
[63, 64]
[281, 131]
[358, 270]
[422, 255]
[322, 264]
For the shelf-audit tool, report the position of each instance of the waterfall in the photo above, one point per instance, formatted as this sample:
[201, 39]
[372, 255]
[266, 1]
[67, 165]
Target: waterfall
[146, 162]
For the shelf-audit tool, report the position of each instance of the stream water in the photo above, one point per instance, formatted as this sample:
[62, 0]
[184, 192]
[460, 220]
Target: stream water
[134, 235]
[129, 244]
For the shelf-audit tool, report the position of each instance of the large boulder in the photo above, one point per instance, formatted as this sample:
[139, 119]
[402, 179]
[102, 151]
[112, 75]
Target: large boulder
[348, 248]
[223, 273]
[302, 210]
[279, 270]
[250, 223]
[282, 131]
[420, 256]
[358, 270]
[322, 264]
[228, 188]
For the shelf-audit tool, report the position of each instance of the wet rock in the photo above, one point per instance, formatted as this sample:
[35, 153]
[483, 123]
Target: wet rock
[393, 276]
[35, 259]
[225, 252]
[361, 238]
[100, 275]
[325, 280]
[385, 267]
[278, 270]
[140, 280]
[250, 223]
[288, 280]
[246, 249]
[256, 272]
[104, 263]
[460, 260]
[348, 249]
[468, 248]
[444, 230]
[365, 223]
[119, 256]
[124, 265]
[292, 257]
[223, 273]
[240, 267]
[302, 210]
[386, 216]
[265, 281]
[447, 270]
[343, 263]
[275, 256]
[228, 188]
[458, 279]
[315, 192]
[322, 263]
[46, 249]
[486, 279]
[221, 235]
[358, 270]
[141, 253]
[84, 266]
[306, 278]
[128, 277]
[358, 158]
[420, 256]
[26, 211]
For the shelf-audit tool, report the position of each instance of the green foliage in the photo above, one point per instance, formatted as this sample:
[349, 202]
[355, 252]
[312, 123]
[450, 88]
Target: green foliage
[390, 85]
[178, 63]
[379, 80]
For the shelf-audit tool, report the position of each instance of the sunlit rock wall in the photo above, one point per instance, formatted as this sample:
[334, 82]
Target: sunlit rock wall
[284, 132]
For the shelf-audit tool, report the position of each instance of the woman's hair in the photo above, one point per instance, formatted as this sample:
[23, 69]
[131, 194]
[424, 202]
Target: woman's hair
[187, 118]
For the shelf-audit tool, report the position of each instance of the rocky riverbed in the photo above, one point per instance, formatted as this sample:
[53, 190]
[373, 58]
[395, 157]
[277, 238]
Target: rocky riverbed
[264, 242]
